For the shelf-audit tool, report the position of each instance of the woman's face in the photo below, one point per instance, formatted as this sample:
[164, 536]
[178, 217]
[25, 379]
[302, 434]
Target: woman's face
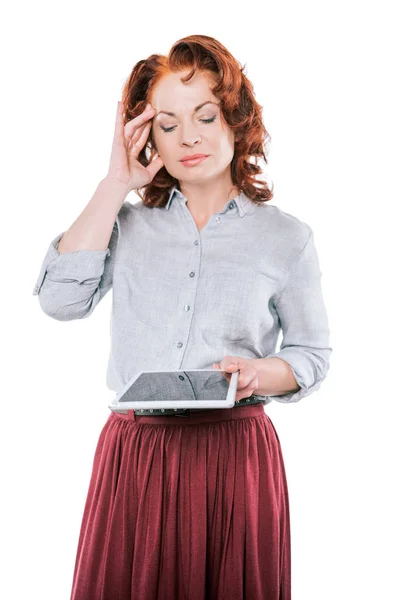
[189, 131]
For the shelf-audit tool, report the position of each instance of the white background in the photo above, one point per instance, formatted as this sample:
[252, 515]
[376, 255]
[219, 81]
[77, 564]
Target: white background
[326, 75]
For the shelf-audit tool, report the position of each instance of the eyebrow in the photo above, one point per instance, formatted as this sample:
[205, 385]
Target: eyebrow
[171, 114]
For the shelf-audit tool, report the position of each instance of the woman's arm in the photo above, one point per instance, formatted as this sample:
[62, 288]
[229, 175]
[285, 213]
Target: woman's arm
[76, 275]
[77, 269]
[92, 229]
[275, 377]
[305, 344]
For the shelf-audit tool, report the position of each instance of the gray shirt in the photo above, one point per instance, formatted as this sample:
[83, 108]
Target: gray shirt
[183, 299]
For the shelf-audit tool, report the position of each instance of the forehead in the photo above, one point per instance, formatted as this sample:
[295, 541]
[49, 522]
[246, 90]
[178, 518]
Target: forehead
[170, 94]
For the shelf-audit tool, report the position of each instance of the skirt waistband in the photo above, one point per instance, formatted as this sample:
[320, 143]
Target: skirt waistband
[185, 412]
[193, 417]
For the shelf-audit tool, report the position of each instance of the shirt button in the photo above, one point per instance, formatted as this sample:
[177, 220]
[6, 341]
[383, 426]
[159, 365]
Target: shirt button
[179, 345]
[181, 377]
[231, 205]
[191, 274]
[196, 243]
[218, 219]
[186, 307]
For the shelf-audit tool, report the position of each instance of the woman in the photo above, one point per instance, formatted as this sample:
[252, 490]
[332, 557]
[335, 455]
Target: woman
[204, 274]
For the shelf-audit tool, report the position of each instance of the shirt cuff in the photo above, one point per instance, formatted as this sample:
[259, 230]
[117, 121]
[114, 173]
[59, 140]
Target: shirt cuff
[308, 372]
[79, 265]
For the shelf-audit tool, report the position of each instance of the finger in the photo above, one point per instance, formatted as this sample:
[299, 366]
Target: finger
[245, 392]
[155, 166]
[119, 126]
[246, 380]
[229, 361]
[137, 145]
[232, 368]
[136, 122]
[135, 135]
[244, 375]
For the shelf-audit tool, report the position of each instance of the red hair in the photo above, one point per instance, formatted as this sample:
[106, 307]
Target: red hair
[239, 108]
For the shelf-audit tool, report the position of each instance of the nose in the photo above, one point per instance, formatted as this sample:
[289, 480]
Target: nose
[190, 135]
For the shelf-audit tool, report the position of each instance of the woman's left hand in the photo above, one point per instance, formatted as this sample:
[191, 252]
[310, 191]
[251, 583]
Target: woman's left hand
[248, 378]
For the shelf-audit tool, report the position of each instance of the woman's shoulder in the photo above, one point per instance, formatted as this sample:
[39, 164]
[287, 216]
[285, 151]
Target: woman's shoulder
[288, 227]
[128, 210]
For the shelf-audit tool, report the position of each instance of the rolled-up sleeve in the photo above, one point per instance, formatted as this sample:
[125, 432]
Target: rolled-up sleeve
[304, 322]
[71, 284]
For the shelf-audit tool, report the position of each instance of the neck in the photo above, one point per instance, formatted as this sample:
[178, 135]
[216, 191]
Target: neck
[205, 199]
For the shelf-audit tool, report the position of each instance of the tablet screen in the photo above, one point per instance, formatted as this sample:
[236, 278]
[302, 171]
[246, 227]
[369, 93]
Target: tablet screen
[177, 385]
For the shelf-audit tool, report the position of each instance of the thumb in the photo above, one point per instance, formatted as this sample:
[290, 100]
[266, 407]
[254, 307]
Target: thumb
[155, 166]
[231, 366]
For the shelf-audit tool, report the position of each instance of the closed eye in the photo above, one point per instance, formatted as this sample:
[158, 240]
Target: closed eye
[168, 129]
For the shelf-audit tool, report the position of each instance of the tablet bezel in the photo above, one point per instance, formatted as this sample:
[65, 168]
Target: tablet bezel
[117, 406]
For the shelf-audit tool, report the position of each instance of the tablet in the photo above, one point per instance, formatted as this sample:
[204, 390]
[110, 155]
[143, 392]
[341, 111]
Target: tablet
[194, 388]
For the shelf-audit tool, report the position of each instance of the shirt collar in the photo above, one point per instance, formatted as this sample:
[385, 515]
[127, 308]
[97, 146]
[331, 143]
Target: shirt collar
[244, 204]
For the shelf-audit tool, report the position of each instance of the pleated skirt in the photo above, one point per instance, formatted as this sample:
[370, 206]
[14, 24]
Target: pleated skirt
[186, 508]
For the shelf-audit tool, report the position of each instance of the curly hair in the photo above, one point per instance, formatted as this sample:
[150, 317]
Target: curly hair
[202, 53]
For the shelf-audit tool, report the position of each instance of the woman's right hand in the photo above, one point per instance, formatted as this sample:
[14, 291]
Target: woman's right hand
[128, 142]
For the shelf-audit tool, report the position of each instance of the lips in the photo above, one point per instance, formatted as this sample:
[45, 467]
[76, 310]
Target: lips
[193, 157]
[193, 162]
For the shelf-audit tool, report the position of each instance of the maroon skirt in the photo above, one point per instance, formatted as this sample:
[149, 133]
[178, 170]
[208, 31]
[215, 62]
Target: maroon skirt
[186, 508]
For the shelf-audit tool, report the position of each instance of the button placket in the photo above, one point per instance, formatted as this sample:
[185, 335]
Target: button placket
[186, 307]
